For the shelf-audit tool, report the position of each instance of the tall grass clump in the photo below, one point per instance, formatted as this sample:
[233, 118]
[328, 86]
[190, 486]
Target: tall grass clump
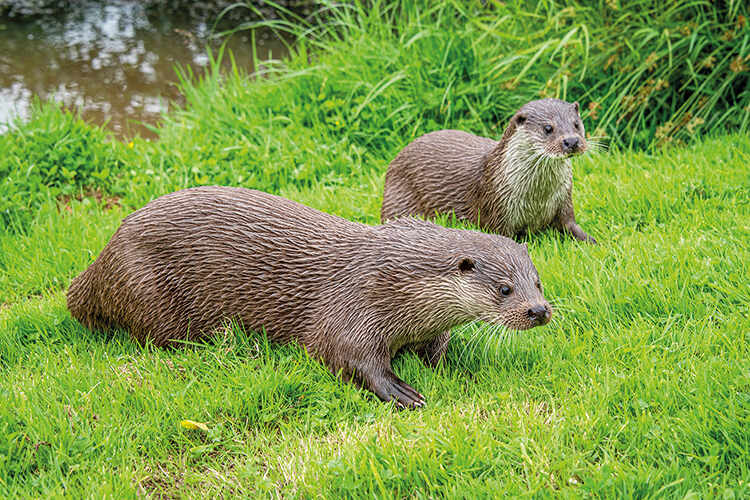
[659, 72]
[648, 73]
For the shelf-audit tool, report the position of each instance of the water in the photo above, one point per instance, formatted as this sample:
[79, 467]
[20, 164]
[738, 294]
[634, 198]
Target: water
[113, 62]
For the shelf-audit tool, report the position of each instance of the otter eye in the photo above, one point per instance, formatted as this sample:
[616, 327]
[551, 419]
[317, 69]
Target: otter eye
[506, 290]
[548, 129]
[539, 285]
[577, 125]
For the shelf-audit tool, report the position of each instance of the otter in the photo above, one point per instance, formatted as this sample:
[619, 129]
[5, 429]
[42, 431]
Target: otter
[352, 294]
[521, 184]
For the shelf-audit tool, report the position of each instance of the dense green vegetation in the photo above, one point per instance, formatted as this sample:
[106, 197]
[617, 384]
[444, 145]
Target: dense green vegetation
[647, 72]
[639, 387]
[361, 81]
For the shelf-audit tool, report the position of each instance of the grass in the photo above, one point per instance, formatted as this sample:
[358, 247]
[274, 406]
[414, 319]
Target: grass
[640, 386]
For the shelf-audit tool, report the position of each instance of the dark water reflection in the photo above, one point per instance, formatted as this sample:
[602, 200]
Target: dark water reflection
[113, 62]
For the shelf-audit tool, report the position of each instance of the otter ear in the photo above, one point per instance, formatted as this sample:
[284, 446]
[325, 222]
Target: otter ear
[575, 105]
[466, 265]
[520, 119]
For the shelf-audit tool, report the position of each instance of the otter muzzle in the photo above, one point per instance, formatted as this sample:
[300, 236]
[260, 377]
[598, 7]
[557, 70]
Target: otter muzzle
[539, 314]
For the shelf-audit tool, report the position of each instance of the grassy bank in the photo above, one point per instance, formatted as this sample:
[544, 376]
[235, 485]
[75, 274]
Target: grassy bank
[640, 386]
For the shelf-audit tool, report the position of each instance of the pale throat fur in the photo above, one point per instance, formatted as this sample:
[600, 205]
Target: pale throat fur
[530, 185]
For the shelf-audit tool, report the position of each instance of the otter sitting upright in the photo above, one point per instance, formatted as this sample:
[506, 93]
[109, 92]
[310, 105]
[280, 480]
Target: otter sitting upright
[521, 184]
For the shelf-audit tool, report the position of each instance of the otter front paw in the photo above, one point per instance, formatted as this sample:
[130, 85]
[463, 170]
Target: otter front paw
[588, 239]
[575, 230]
[432, 352]
[391, 388]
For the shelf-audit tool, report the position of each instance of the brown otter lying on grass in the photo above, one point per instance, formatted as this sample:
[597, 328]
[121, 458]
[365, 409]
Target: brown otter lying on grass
[521, 184]
[352, 294]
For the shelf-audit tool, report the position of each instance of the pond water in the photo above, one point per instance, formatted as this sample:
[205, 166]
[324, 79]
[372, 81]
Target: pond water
[112, 61]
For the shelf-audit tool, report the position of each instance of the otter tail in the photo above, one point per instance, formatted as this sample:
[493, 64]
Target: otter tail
[83, 303]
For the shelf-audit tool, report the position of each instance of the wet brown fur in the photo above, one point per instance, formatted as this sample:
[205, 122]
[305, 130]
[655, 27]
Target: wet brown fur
[352, 294]
[520, 184]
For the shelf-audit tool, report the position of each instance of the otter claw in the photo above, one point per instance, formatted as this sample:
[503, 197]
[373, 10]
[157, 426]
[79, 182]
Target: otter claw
[401, 393]
[419, 400]
[409, 406]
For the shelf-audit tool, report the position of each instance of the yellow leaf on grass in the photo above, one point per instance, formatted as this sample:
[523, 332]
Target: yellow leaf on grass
[191, 424]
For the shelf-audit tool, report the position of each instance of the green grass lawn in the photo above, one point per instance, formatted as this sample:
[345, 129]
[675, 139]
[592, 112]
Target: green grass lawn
[640, 386]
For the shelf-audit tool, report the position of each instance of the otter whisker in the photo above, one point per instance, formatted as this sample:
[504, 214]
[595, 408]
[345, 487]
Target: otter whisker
[560, 304]
[597, 138]
[502, 333]
[597, 147]
[563, 305]
[490, 338]
[477, 338]
[467, 342]
[481, 336]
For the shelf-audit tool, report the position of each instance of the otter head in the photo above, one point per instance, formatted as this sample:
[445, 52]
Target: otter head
[553, 126]
[499, 284]
[444, 277]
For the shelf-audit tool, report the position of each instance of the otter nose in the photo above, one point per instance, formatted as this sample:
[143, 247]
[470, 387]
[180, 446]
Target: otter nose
[571, 144]
[539, 314]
